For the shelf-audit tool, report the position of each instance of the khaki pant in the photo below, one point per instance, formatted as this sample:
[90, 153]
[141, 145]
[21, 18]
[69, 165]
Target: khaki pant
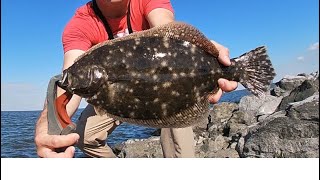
[94, 130]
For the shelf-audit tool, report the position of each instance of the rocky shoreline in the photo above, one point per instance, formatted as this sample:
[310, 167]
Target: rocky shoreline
[283, 124]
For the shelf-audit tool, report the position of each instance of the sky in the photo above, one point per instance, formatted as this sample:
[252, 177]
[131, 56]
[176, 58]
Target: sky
[31, 48]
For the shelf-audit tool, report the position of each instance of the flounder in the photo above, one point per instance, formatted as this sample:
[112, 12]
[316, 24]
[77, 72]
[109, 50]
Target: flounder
[161, 77]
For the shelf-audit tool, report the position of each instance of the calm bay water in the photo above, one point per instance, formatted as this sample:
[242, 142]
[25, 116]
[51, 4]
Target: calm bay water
[17, 130]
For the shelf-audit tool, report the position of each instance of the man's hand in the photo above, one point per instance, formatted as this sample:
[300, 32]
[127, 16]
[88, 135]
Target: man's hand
[224, 84]
[46, 144]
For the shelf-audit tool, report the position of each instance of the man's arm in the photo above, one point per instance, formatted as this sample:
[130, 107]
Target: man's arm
[45, 143]
[69, 59]
[160, 16]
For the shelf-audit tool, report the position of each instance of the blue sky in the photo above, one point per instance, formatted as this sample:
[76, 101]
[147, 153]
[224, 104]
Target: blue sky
[31, 49]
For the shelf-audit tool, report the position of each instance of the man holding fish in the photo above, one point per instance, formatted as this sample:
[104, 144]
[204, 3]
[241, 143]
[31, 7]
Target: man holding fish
[95, 22]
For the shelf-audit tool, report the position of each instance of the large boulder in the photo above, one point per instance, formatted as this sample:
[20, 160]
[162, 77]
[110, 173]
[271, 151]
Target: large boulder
[288, 83]
[305, 90]
[218, 119]
[307, 109]
[253, 106]
[284, 137]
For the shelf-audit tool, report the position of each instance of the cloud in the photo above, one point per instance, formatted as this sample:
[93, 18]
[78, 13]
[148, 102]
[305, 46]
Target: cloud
[300, 58]
[307, 62]
[311, 55]
[314, 46]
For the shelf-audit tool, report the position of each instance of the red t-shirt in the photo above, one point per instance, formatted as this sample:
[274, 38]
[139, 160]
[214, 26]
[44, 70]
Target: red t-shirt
[85, 29]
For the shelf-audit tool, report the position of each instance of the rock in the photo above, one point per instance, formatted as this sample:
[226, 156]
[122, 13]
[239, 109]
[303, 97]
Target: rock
[203, 122]
[284, 137]
[223, 111]
[267, 118]
[217, 148]
[315, 78]
[239, 147]
[239, 130]
[224, 153]
[233, 145]
[251, 104]
[237, 117]
[315, 74]
[305, 90]
[278, 92]
[147, 148]
[200, 140]
[215, 145]
[214, 130]
[200, 133]
[219, 117]
[288, 83]
[307, 109]
[269, 106]
[219, 143]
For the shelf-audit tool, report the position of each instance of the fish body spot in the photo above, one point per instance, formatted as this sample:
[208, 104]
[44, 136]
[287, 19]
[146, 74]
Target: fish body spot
[166, 84]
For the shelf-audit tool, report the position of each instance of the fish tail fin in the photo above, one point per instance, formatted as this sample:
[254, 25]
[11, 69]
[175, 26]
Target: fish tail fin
[253, 70]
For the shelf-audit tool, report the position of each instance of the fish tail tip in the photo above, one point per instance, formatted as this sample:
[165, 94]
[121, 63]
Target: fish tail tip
[258, 71]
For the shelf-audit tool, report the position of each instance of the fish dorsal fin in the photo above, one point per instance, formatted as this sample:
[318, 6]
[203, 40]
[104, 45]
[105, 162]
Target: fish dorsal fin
[188, 117]
[173, 30]
[185, 32]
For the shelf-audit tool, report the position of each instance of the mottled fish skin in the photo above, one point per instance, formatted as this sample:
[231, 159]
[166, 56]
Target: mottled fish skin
[159, 77]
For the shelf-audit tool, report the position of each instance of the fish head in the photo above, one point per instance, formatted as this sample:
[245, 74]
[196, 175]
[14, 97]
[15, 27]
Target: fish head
[84, 82]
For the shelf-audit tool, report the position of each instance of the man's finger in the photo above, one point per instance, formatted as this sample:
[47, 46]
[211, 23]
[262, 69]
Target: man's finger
[224, 55]
[214, 98]
[226, 85]
[224, 58]
[58, 141]
[69, 153]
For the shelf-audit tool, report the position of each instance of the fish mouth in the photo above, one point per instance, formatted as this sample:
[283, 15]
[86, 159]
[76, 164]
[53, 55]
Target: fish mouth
[86, 91]
[63, 83]
[85, 88]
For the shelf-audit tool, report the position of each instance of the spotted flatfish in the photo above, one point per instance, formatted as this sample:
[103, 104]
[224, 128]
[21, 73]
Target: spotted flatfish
[161, 77]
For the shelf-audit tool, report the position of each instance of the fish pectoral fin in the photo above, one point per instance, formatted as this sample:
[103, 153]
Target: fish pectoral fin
[188, 117]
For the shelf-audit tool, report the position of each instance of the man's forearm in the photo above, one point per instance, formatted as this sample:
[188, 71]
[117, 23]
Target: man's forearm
[42, 123]
[73, 104]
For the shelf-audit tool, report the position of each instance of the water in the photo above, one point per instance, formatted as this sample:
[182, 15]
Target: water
[18, 127]
[17, 130]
